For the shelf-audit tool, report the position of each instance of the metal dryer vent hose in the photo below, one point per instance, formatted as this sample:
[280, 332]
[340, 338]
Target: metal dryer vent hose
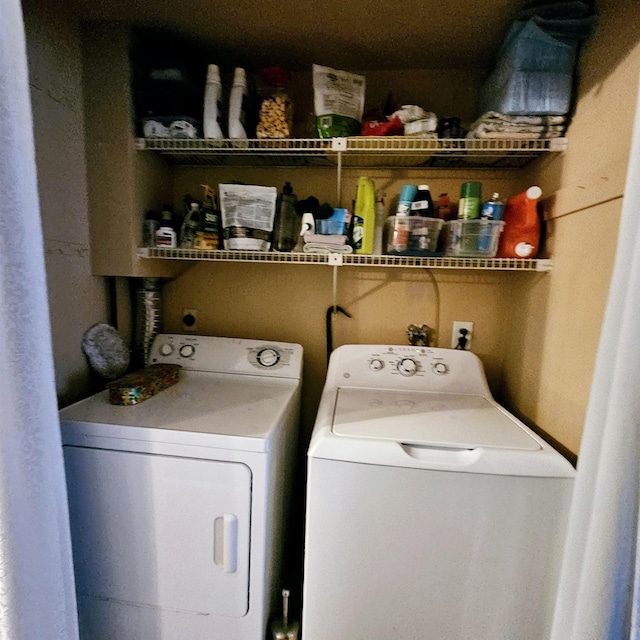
[148, 317]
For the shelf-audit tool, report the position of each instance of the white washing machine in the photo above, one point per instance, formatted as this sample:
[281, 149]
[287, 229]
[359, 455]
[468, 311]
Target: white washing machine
[178, 503]
[432, 513]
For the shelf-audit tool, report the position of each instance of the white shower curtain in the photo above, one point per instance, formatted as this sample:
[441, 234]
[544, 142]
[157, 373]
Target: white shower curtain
[599, 588]
[37, 600]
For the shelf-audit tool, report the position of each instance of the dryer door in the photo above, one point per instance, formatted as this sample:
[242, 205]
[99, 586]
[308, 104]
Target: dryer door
[159, 531]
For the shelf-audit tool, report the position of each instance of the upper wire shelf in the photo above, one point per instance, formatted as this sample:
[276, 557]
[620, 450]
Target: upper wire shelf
[358, 151]
[274, 257]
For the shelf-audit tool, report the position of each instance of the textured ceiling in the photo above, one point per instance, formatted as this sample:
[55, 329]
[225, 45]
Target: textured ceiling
[348, 34]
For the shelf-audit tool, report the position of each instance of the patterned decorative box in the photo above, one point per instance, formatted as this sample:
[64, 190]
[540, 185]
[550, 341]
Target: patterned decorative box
[141, 385]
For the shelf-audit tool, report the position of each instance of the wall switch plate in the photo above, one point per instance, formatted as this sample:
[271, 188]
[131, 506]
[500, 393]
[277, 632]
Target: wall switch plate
[189, 319]
[461, 335]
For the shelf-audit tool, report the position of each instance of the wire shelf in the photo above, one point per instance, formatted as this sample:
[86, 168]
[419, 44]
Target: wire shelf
[274, 257]
[363, 151]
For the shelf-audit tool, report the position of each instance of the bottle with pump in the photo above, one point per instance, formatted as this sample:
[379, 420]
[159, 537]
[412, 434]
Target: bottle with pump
[422, 204]
[238, 105]
[521, 234]
[166, 237]
[364, 218]
[212, 116]
[286, 226]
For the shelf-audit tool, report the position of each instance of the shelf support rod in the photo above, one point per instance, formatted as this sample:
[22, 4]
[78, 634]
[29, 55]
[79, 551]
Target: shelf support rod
[339, 179]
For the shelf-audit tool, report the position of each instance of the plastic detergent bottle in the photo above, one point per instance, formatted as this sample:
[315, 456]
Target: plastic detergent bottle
[212, 116]
[286, 225]
[422, 204]
[380, 218]
[469, 207]
[238, 104]
[520, 237]
[364, 218]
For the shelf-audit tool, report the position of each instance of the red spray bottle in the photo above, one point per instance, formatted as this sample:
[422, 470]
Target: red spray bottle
[520, 237]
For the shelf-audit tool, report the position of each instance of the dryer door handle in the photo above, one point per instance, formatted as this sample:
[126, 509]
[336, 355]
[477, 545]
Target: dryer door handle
[225, 542]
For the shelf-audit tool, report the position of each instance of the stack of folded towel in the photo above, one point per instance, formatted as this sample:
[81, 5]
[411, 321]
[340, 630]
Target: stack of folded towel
[320, 243]
[498, 125]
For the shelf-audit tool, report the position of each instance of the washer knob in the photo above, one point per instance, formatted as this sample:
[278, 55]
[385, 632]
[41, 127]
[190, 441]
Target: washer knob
[407, 366]
[376, 364]
[166, 349]
[268, 357]
[187, 350]
[440, 368]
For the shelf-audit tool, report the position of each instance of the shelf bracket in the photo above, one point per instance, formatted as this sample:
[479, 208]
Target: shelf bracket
[339, 145]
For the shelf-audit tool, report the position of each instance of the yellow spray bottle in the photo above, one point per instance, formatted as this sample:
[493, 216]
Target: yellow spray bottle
[364, 217]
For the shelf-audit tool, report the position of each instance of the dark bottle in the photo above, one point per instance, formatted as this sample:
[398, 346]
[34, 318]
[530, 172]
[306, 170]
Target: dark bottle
[422, 204]
[287, 221]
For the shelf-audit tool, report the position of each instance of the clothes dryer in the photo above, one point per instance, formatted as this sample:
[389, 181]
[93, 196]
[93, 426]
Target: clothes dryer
[432, 512]
[178, 504]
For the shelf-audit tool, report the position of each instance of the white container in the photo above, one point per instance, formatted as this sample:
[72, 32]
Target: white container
[238, 105]
[212, 116]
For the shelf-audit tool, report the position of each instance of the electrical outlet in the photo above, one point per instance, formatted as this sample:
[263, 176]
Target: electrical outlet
[189, 319]
[461, 335]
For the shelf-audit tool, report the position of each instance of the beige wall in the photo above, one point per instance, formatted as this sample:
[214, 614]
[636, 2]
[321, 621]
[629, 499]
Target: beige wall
[556, 322]
[76, 298]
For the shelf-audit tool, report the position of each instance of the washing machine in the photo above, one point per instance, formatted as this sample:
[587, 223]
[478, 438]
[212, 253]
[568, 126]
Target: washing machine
[432, 512]
[178, 504]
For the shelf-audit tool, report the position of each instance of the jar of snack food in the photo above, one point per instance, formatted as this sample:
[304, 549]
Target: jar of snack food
[276, 109]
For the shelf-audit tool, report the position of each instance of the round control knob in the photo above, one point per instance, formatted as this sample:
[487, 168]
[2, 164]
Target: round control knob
[268, 357]
[187, 350]
[376, 364]
[166, 349]
[440, 368]
[407, 366]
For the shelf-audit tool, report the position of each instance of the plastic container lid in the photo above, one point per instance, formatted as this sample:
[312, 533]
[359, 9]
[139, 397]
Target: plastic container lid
[470, 190]
[533, 193]
[423, 187]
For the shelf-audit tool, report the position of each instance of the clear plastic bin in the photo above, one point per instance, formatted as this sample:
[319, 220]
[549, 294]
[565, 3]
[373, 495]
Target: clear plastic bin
[412, 235]
[473, 238]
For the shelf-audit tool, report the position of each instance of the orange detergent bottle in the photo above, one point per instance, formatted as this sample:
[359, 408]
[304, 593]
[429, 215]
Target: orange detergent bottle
[520, 237]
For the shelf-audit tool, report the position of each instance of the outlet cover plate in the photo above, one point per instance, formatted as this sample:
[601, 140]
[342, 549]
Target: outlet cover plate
[460, 340]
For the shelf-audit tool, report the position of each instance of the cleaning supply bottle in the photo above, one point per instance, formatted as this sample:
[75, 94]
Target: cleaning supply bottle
[469, 207]
[190, 226]
[166, 237]
[364, 218]
[406, 198]
[286, 225]
[238, 105]
[212, 116]
[422, 204]
[492, 209]
[381, 214]
[444, 206]
[520, 237]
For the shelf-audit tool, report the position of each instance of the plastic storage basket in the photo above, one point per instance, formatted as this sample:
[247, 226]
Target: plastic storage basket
[473, 238]
[412, 235]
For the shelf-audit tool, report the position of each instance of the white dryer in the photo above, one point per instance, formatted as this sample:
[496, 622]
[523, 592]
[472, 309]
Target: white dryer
[432, 512]
[178, 503]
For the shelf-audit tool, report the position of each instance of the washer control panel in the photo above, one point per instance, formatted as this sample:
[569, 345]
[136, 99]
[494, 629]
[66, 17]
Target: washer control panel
[228, 355]
[407, 367]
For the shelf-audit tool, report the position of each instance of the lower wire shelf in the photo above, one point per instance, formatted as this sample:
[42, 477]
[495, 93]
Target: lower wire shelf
[349, 259]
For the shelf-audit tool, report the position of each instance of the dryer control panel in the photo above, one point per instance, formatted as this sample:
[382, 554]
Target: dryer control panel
[228, 355]
[407, 367]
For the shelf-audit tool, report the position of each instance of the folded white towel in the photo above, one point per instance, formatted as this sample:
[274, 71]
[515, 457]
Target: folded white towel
[318, 247]
[321, 238]
[498, 125]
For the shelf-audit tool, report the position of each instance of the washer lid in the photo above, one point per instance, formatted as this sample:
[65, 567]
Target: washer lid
[430, 419]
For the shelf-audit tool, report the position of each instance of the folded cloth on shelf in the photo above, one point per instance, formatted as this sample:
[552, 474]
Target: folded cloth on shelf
[323, 238]
[498, 125]
[320, 247]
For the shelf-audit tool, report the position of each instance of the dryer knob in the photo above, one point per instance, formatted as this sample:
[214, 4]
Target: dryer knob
[268, 357]
[166, 349]
[407, 366]
[187, 350]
